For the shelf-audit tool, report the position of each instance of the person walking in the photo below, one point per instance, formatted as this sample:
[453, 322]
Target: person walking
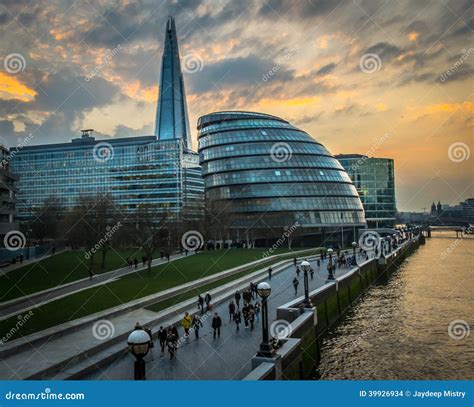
[186, 323]
[237, 319]
[251, 316]
[162, 334]
[91, 273]
[295, 285]
[171, 341]
[216, 325]
[258, 308]
[147, 329]
[197, 324]
[237, 297]
[207, 299]
[311, 273]
[231, 310]
[135, 262]
[298, 271]
[270, 272]
[295, 262]
[245, 314]
[201, 303]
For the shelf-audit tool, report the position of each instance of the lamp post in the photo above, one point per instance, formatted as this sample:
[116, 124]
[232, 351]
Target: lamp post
[266, 349]
[354, 246]
[139, 345]
[330, 267]
[305, 266]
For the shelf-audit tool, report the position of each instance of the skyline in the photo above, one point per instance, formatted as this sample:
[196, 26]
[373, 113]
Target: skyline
[97, 66]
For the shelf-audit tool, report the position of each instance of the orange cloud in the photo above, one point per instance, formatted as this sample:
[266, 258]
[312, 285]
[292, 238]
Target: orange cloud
[12, 88]
[417, 112]
[413, 36]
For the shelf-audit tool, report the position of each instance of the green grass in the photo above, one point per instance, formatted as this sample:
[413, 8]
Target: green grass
[62, 268]
[138, 285]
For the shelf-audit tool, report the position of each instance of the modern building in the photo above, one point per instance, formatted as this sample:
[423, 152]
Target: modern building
[160, 172]
[375, 182]
[268, 175]
[8, 191]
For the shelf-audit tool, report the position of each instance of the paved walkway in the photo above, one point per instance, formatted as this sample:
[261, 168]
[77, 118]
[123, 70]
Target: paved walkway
[228, 357]
[35, 299]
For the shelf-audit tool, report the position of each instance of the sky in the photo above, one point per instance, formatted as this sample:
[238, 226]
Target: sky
[387, 78]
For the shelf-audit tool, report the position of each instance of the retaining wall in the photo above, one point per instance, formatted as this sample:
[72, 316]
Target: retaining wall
[308, 326]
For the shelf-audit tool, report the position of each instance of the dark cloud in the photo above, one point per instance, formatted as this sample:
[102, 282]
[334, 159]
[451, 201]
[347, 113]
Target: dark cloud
[306, 9]
[235, 72]
[326, 69]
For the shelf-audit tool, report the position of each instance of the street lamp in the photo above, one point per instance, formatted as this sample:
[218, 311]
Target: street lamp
[305, 266]
[139, 345]
[354, 245]
[266, 349]
[330, 267]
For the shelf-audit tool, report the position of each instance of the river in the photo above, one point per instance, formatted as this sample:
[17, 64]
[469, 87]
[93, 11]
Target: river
[414, 325]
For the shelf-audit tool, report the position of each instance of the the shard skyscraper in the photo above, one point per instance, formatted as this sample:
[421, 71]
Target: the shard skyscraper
[172, 120]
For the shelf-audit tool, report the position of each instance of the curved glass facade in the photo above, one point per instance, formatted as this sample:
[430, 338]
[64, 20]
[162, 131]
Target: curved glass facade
[266, 173]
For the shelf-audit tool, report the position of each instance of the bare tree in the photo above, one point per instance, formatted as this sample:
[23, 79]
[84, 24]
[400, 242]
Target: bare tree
[151, 232]
[92, 224]
[46, 220]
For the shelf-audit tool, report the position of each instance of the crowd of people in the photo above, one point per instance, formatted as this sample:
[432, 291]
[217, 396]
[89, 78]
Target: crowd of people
[245, 307]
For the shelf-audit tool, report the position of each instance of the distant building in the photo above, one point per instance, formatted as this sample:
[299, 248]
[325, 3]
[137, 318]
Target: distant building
[269, 175]
[160, 172]
[8, 191]
[461, 214]
[375, 182]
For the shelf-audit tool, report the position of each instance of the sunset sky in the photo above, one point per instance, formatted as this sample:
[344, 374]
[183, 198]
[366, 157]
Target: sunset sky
[69, 65]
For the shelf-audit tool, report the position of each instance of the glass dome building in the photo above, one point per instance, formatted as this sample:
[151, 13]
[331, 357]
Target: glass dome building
[267, 174]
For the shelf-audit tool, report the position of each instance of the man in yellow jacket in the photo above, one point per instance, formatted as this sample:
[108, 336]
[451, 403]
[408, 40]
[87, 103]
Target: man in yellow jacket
[186, 323]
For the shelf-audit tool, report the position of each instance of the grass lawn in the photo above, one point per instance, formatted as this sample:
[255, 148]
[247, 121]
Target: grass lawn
[139, 285]
[56, 270]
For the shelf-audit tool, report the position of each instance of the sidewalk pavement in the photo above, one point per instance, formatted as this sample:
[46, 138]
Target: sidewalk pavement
[33, 300]
[226, 358]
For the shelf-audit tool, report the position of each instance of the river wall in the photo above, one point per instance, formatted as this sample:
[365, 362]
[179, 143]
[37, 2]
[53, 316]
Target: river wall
[299, 354]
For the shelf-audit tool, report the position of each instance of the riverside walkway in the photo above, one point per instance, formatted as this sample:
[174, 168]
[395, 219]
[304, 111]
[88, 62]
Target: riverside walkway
[35, 299]
[228, 357]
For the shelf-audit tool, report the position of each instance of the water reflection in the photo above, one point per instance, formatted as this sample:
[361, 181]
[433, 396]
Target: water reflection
[399, 330]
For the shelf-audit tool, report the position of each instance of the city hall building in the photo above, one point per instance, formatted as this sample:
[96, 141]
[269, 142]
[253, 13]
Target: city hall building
[267, 174]
[160, 172]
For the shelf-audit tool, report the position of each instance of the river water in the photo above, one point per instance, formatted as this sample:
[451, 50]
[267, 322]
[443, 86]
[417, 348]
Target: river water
[414, 325]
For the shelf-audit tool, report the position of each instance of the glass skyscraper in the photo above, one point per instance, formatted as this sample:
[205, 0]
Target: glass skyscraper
[267, 173]
[172, 120]
[159, 172]
[375, 181]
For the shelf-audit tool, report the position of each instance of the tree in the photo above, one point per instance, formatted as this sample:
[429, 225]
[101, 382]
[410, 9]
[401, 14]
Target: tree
[93, 224]
[46, 220]
[151, 232]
